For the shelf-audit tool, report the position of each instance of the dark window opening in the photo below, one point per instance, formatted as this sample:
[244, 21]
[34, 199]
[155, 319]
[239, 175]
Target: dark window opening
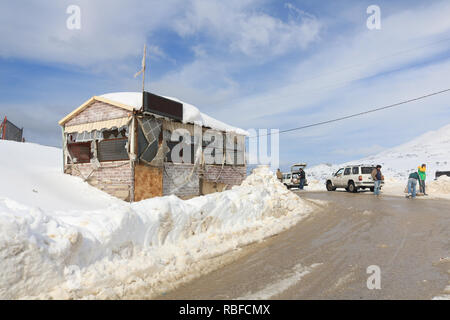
[367, 170]
[347, 171]
[80, 152]
[112, 150]
[355, 170]
[115, 134]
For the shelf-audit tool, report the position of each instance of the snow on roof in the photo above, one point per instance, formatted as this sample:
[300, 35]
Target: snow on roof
[191, 114]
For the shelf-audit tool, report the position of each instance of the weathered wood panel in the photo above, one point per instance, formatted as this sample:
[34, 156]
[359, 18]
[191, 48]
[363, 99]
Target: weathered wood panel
[98, 111]
[148, 182]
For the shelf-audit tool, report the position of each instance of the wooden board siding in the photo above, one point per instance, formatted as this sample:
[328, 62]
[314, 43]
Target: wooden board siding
[114, 178]
[98, 111]
[227, 175]
[181, 179]
[148, 182]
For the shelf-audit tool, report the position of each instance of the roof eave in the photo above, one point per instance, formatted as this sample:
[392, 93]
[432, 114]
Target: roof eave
[81, 108]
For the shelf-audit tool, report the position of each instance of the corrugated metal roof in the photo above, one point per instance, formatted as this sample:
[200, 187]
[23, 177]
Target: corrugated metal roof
[99, 125]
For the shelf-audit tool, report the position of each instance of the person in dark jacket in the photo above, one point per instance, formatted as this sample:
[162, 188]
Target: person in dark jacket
[412, 183]
[302, 177]
[377, 177]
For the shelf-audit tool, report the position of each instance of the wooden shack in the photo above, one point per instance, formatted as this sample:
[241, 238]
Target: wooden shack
[9, 131]
[128, 145]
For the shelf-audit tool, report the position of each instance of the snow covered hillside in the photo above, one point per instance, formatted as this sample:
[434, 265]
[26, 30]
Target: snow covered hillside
[432, 148]
[32, 175]
[61, 238]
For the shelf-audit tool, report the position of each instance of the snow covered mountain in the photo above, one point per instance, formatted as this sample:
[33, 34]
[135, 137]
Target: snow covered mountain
[431, 148]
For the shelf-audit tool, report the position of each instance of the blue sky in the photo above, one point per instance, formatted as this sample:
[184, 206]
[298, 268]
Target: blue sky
[250, 63]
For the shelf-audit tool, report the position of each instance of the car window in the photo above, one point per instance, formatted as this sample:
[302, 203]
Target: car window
[347, 171]
[340, 171]
[355, 170]
[367, 170]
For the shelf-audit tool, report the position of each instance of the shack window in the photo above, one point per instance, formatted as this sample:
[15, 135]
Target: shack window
[80, 152]
[115, 133]
[235, 149]
[182, 158]
[213, 147]
[112, 150]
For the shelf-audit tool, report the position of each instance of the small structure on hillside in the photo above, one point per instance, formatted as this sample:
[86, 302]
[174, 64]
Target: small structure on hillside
[9, 131]
[136, 146]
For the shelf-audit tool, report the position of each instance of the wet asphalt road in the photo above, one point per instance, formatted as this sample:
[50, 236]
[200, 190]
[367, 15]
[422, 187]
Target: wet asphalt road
[326, 255]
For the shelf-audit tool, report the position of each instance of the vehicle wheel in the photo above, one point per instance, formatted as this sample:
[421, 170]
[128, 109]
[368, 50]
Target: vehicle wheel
[330, 186]
[351, 187]
[372, 189]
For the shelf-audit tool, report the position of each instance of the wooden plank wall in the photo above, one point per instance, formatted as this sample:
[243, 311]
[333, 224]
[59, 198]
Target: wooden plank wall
[148, 182]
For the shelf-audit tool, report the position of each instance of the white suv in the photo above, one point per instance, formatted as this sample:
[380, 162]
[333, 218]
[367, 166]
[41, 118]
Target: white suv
[290, 180]
[352, 178]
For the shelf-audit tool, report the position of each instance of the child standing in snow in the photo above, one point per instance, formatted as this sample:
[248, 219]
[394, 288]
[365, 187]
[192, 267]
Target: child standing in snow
[423, 176]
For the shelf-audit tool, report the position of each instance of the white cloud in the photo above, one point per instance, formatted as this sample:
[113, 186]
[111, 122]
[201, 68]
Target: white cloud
[246, 30]
[326, 77]
[110, 30]
[116, 30]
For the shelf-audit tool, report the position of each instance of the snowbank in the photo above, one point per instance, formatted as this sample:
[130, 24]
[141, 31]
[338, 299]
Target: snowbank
[135, 250]
[191, 114]
[439, 186]
[32, 175]
[315, 185]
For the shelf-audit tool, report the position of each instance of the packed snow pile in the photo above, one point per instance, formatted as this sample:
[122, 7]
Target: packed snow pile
[439, 186]
[321, 172]
[315, 185]
[431, 148]
[128, 250]
[32, 175]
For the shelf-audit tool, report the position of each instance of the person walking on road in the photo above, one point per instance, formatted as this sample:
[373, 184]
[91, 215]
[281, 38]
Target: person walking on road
[423, 176]
[412, 183]
[377, 177]
[302, 176]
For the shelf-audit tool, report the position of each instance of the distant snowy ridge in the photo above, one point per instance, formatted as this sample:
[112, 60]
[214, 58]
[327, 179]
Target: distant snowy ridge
[431, 148]
[117, 249]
